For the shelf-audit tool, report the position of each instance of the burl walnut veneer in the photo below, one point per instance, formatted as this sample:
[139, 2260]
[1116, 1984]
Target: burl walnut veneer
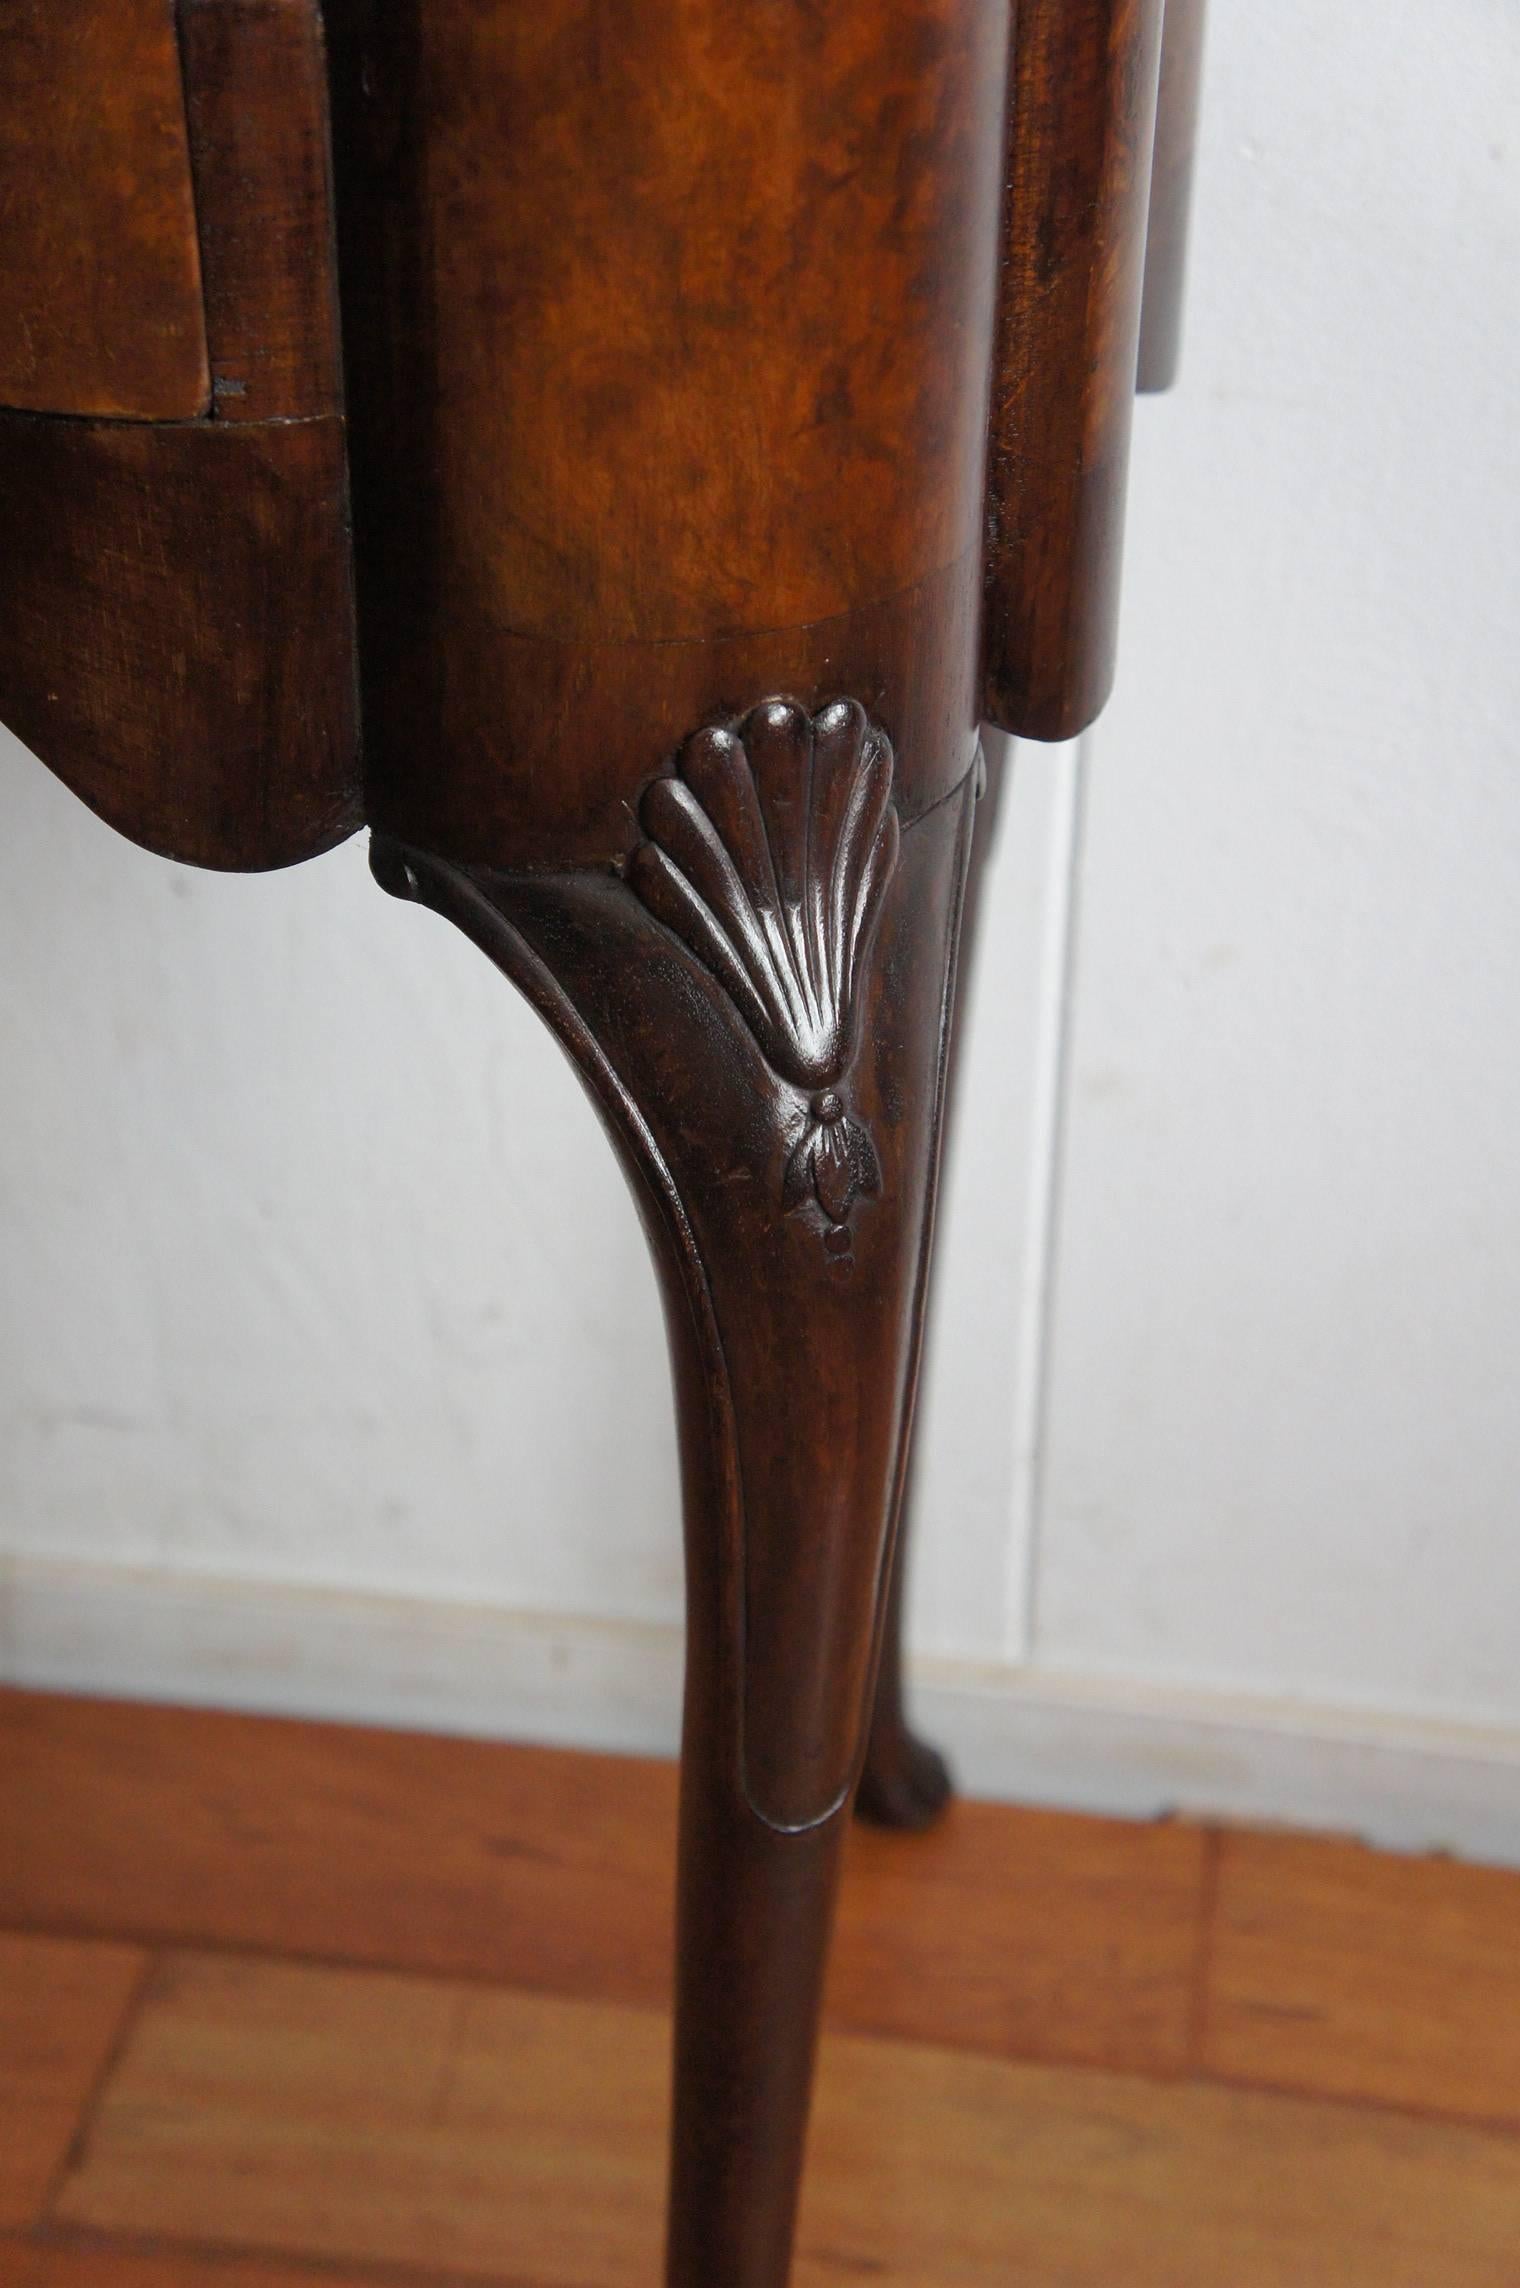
[622, 453]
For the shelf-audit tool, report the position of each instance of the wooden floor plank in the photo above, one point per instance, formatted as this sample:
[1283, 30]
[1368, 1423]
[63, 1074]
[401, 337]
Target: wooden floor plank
[457, 1856]
[1073, 1937]
[364, 2117]
[1338, 1969]
[94, 2264]
[1024, 1934]
[62, 2005]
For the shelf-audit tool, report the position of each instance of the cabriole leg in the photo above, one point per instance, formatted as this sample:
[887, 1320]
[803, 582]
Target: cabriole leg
[906, 1782]
[758, 1000]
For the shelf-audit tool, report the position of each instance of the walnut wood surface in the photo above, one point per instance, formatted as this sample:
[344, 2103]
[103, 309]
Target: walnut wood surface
[176, 615]
[256, 89]
[1166, 243]
[702, 296]
[176, 632]
[595, 719]
[618, 465]
[100, 290]
[667, 333]
[1081, 128]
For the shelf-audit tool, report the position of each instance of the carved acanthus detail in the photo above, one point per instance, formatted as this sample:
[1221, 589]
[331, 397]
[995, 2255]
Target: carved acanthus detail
[768, 854]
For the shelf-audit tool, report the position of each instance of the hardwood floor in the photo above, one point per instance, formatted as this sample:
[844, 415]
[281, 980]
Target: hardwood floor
[303, 2006]
[1346, 1971]
[62, 2007]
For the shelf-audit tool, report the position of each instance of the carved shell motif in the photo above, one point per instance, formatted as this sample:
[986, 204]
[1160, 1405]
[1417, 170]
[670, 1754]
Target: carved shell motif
[768, 854]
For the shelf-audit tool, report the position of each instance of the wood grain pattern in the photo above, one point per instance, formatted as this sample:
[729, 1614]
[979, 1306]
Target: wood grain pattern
[1166, 241]
[691, 305]
[256, 96]
[554, 1871]
[62, 2006]
[100, 280]
[337, 1840]
[76, 2263]
[590, 712]
[268, 2103]
[355, 2117]
[1026, 1934]
[311, 2085]
[1340, 1969]
[176, 632]
[1082, 124]
[667, 333]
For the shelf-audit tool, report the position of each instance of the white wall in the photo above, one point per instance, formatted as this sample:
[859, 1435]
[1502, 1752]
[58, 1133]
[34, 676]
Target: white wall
[298, 1410]
[1284, 1436]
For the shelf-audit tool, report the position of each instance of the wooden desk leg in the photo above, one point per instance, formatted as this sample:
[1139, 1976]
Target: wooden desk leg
[906, 1782]
[759, 1004]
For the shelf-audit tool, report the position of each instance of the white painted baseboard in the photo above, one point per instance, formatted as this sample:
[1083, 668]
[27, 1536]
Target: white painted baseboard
[1016, 1735]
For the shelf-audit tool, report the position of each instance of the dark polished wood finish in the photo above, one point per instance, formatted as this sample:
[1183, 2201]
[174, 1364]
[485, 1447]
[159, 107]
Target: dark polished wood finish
[610, 712]
[639, 573]
[1081, 126]
[682, 428]
[256, 91]
[99, 267]
[668, 333]
[905, 1782]
[794, 1310]
[176, 594]
[177, 635]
